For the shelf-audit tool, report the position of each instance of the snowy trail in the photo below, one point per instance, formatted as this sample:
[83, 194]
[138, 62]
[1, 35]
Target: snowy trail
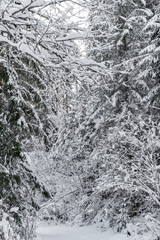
[51, 232]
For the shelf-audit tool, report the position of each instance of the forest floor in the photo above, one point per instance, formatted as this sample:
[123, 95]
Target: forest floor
[47, 231]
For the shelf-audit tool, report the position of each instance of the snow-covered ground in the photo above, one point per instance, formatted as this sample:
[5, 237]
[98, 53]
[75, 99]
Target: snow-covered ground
[62, 232]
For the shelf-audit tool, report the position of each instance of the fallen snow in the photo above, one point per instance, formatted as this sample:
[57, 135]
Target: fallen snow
[62, 232]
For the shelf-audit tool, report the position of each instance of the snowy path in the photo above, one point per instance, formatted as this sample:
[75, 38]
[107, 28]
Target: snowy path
[50, 232]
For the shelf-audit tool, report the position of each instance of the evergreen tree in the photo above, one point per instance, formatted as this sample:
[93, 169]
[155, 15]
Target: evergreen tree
[118, 42]
[30, 66]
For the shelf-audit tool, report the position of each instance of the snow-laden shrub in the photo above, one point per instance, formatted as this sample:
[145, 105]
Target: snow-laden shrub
[6, 230]
[16, 225]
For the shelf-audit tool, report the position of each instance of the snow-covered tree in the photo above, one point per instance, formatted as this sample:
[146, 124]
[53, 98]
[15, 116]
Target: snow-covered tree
[119, 34]
[34, 57]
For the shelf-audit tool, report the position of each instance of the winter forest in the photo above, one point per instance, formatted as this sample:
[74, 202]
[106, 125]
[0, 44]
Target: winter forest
[80, 116]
